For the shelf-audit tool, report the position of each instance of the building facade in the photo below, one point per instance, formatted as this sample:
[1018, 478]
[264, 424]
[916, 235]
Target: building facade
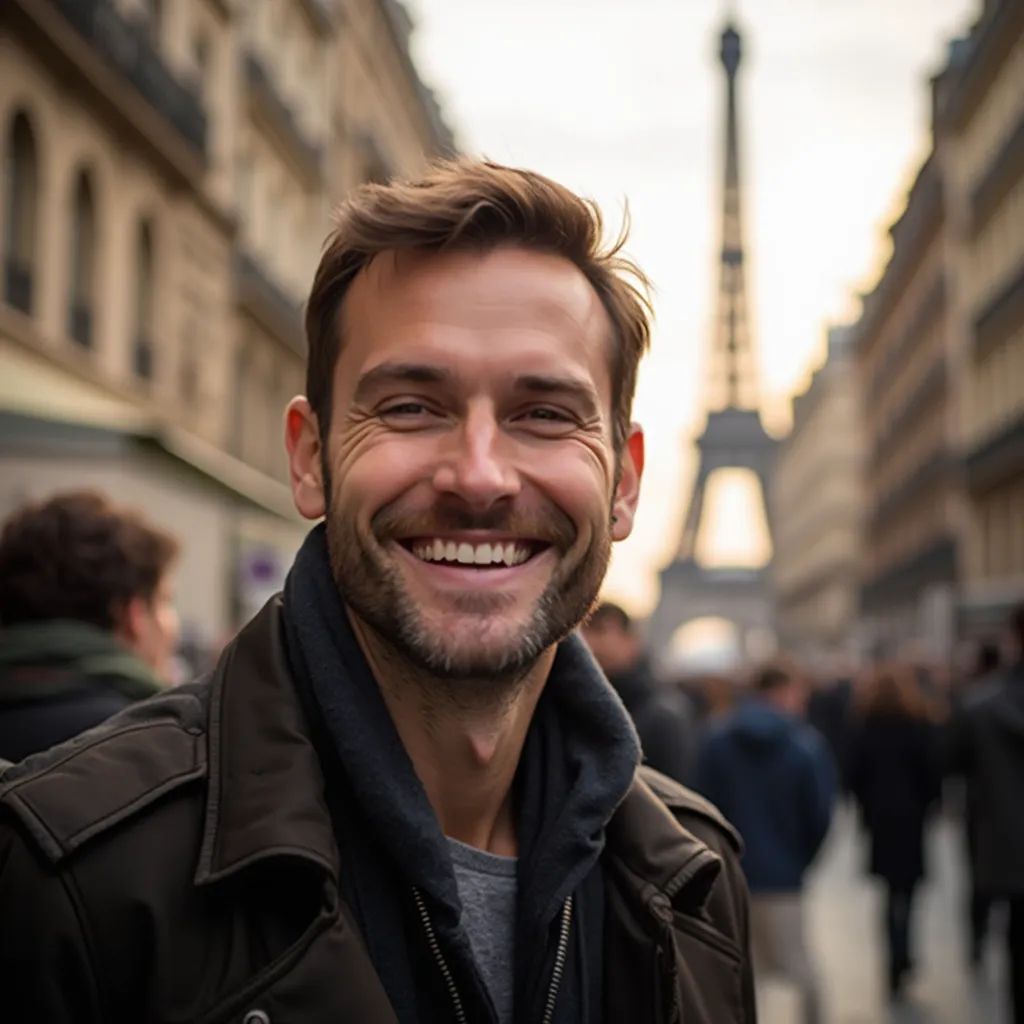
[817, 503]
[168, 175]
[980, 136]
[940, 351]
[912, 476]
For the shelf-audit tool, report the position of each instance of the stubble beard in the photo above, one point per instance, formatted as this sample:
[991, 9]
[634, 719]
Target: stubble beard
[490, 665]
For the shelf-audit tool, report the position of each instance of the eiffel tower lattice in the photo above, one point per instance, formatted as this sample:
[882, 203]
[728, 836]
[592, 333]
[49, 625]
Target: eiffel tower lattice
[733, 436]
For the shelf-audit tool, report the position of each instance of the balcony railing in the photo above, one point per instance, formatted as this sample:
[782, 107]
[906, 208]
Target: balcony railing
[124, 46]
[18, 285]
[282, 118]
[80, 323]
[278, 312]
[997, 457]
[1003, 315]
[999, 178]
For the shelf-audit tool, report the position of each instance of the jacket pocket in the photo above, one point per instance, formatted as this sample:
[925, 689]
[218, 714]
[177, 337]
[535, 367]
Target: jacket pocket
[709, 969]
[326, 977]
[709, 935]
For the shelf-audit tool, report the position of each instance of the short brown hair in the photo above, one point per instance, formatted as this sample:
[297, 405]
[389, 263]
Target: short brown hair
[476, 205]
[78, 556]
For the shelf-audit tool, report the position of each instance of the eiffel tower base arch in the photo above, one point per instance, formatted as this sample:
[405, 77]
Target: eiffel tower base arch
[690, 591]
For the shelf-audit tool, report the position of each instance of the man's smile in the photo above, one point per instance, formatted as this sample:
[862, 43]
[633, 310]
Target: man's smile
[474, 563]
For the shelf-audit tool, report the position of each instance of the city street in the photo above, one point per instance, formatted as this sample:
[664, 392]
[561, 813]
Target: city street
[844, 921]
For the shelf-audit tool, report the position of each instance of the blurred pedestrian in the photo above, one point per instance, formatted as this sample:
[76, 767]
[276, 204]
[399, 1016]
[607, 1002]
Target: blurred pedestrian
[895, 779]
[986, 746]
[772, 775]
[87, 623]
[829, 711]
[662, 714]
[987, 664]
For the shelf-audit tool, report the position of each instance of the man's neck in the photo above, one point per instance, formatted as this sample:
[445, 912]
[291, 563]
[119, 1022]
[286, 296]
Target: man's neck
[466, 748]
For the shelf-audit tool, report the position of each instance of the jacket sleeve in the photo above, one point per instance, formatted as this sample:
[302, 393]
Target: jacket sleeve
[729, 908]
[44, 957]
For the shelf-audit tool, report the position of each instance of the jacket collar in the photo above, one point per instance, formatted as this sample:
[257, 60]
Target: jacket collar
[265, 791]
[265, 794]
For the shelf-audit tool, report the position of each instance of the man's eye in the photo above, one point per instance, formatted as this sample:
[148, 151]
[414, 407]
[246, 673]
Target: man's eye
[547, 413]
[405, 409]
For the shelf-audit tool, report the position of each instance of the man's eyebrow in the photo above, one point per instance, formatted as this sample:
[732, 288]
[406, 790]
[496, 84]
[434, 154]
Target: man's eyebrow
[550, 384]
[400, 373]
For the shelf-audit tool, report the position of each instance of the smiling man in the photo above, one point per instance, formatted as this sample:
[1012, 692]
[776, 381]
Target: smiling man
[406, 793]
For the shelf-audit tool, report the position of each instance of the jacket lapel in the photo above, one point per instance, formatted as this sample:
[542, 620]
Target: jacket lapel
[265, 789]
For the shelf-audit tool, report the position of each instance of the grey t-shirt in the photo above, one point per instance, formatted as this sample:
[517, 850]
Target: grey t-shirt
[487, 889]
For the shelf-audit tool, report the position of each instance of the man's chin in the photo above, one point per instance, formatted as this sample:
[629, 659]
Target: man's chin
[473, 647]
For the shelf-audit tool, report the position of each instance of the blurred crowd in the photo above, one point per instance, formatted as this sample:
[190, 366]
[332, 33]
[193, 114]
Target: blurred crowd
[87, 627]
[776, 749]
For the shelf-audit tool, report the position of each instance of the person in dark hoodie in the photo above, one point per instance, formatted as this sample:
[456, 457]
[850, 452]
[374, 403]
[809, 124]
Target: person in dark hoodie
[406, 793]
[87, 621]
[774, 778]
[661, 714]
[986, 747]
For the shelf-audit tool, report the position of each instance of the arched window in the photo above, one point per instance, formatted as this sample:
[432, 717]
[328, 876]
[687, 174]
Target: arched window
[22, 177]
[82, 279]
[142, 341]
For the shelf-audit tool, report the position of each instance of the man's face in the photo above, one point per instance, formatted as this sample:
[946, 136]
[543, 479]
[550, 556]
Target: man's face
[469, 461]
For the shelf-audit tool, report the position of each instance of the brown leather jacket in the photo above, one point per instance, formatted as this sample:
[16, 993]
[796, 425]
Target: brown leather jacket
[178, 864]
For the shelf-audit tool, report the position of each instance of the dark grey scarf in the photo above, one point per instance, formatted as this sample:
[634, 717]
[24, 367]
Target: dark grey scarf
[579, 760]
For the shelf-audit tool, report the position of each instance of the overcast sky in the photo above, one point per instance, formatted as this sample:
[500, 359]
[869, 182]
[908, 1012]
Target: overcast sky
[622, 100]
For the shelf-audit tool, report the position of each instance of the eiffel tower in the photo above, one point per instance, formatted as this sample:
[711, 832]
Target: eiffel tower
[733, 435]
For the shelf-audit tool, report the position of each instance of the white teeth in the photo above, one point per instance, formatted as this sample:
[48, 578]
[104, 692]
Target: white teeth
[464, 553]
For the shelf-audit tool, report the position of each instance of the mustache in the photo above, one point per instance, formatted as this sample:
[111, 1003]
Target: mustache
[550, 525]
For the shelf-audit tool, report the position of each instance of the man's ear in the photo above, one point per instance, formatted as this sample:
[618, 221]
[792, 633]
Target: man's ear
[631, 468]
[129, 620]
[305, 469]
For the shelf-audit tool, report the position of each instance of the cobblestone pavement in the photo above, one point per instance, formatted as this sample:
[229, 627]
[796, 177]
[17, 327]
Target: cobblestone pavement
[845, 932]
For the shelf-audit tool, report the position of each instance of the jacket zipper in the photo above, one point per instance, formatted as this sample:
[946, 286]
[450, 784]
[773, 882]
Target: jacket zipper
[435, 949]
[561, 955]
[561, 952]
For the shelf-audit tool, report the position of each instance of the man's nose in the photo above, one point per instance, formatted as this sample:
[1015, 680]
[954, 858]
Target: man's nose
[478, 468]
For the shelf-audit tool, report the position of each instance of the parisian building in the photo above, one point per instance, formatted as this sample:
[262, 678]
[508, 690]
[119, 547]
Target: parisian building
[169, 169]
[940, 353]
[817, 502]
[980, 139]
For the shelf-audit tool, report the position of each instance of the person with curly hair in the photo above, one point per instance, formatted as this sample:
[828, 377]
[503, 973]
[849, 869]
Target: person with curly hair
[87, 623]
